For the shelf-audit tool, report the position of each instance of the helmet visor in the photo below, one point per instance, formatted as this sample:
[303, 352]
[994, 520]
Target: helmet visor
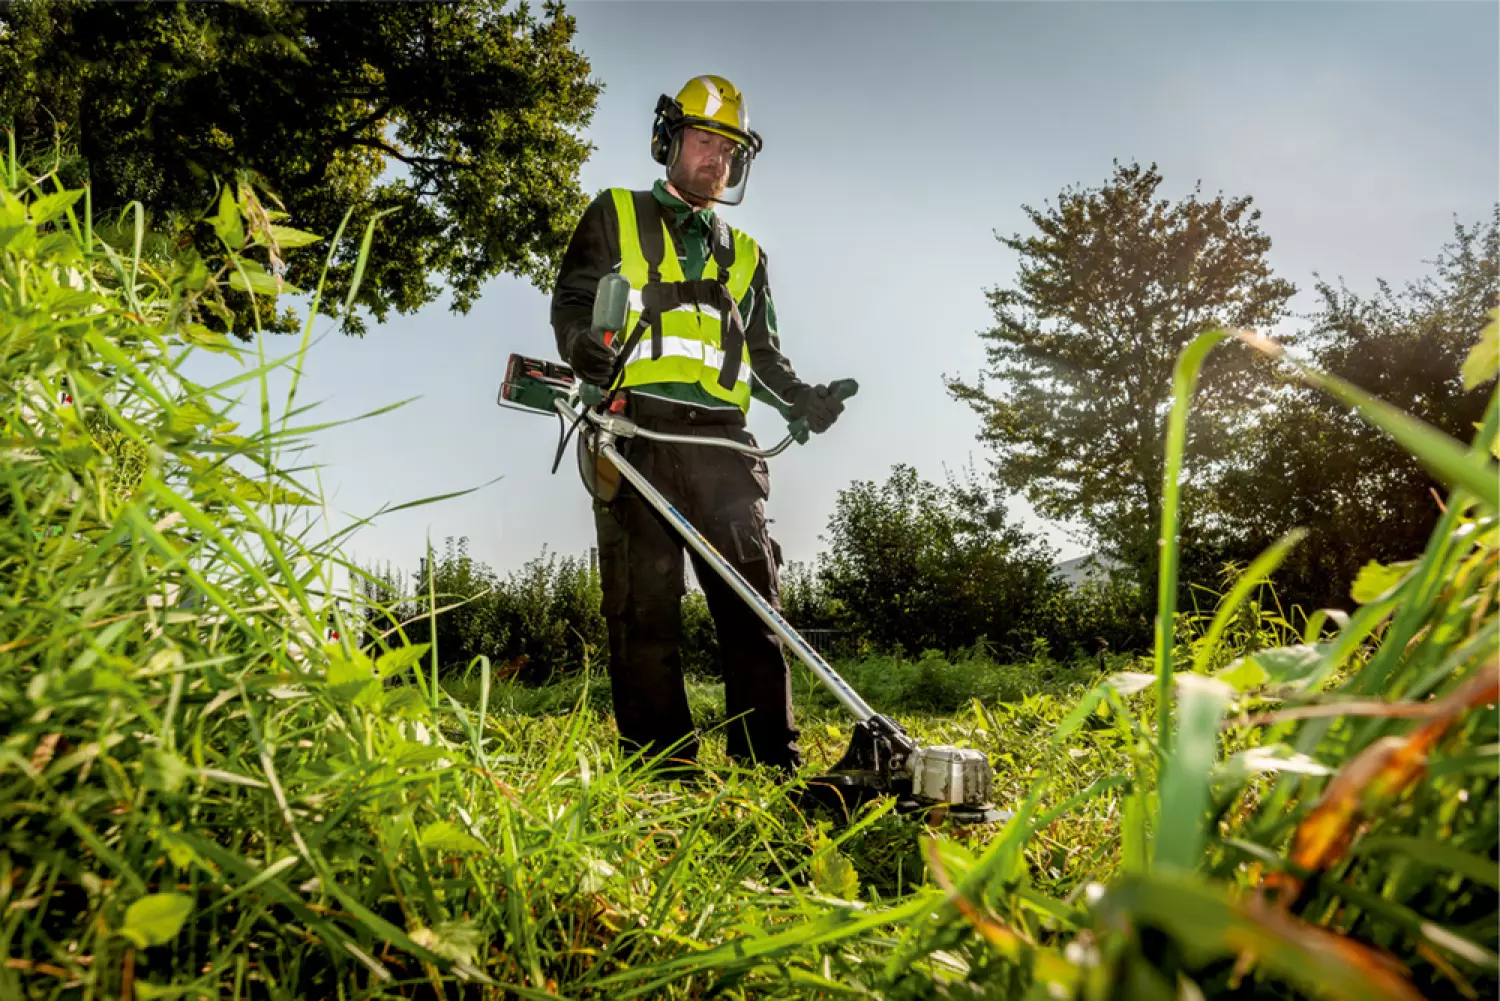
[710, 163]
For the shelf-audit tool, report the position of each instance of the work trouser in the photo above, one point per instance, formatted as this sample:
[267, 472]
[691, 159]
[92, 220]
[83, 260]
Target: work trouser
[723, 493]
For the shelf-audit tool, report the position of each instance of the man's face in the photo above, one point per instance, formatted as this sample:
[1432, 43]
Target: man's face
[704, 161]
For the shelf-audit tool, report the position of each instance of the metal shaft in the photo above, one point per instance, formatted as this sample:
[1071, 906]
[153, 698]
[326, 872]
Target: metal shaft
[805, 653]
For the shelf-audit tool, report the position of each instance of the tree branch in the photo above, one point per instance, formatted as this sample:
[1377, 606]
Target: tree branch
[342, 138]
[410, 161]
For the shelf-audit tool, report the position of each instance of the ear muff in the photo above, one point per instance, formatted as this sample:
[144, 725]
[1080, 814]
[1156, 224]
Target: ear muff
[668, 120]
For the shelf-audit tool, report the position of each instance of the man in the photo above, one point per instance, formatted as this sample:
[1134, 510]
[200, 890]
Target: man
[699, 339]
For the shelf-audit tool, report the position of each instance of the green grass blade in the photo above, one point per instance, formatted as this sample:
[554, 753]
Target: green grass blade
[1184, 379]
[1185, 781]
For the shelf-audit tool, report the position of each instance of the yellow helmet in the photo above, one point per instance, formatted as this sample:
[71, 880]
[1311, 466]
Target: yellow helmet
[714, 104]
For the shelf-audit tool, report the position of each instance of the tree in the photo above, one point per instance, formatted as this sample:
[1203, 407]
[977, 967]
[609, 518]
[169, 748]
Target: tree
[1109, 290]
[460, 117]
[916, 566]
[1311, 463]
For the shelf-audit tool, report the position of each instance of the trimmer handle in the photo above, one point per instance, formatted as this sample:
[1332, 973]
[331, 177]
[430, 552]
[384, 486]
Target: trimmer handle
[839, 389]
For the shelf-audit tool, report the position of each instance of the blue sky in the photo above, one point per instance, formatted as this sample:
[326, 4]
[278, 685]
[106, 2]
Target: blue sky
[898, 139]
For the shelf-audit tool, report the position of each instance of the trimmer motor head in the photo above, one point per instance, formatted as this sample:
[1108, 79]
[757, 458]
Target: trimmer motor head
[943, 774]
[883, 760]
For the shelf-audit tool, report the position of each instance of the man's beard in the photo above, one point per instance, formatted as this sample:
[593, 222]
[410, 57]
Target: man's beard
[705, 184]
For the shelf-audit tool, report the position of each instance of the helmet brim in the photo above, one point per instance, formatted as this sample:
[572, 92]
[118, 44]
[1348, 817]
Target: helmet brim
[749, 139]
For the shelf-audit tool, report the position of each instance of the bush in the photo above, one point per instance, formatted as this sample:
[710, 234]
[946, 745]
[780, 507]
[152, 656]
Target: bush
[538, 623]
[1096, 617]
[913, 566]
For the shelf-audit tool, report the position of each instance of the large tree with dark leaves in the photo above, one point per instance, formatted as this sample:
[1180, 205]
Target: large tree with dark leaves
[1309, 462]
[1110, 288]
[464, 117]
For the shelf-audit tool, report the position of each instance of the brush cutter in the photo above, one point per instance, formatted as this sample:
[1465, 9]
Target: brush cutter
[882, 758]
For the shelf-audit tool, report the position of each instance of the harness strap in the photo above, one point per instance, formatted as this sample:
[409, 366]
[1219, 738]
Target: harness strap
[731, 326]
[658, 297]
[648, 224]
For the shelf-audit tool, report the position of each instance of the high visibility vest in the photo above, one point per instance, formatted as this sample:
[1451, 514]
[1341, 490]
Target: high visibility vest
[683, 335]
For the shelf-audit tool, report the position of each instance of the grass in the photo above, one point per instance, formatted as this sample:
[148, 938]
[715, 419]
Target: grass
[199, 798]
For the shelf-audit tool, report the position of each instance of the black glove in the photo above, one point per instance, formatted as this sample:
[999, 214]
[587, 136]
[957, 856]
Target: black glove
[591, 359]
[818, 405]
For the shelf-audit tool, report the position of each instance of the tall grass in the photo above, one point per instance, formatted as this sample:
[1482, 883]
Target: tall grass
[199, 798]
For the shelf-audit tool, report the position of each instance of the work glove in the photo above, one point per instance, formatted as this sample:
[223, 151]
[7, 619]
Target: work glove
[818, 405]
[591, 359]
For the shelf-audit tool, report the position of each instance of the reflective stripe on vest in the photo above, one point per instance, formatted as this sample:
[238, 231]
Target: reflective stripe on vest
[691, 349]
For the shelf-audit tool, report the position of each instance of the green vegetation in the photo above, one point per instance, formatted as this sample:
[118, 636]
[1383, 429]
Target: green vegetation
[461, 120]
[1115, 281]
[199, 798]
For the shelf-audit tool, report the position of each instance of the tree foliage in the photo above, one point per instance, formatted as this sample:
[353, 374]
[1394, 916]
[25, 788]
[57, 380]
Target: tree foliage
[1309, 462]
[915, 566]
[1112, 285]
[462, 118]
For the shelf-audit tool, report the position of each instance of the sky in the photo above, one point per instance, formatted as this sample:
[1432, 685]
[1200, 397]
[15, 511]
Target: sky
[899, 139]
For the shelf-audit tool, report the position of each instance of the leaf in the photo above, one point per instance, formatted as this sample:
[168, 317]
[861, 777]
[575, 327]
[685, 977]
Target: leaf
[1130, 682]
[185, 418]
[1436, 854]
[1233, 774]
[163, 771]
[1243, 674]
[1375, 580]
[258, 492]
[595, 876]
[1185, 779]
[405, 702]
[12, 210]
[156, 919]
[1376, 777]
[957, 861]
[352, 679]
[1483, 362]
[458, 941]
[227, 223]
[1207, 925]
[13, 237]
[288, 239]
[444, 835]
[252, 277]
[211, 340]
[363, 257]
[832, 873]
[48, 207]
[395, 661]
[1291, 665]
[412, 754]
[1080, 712]
[179, 852]
[193, 270]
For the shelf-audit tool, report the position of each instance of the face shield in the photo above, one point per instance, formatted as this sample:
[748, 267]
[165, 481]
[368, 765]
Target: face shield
[710, 164]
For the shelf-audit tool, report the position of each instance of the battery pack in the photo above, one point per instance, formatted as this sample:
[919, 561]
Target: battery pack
[535, 383]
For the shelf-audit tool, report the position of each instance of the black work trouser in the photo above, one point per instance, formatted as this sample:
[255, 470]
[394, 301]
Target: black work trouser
[723, 494]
